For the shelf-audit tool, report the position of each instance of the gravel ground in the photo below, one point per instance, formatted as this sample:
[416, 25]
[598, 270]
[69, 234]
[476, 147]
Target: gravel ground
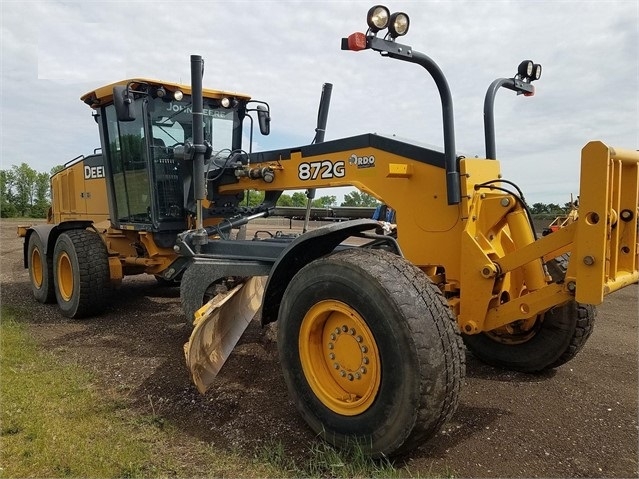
[577, 421]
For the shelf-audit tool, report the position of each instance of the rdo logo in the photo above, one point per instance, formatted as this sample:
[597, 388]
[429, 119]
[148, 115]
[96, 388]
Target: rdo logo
[362, 161]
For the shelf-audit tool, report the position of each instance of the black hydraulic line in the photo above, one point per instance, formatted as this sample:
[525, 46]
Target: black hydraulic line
[227, 225]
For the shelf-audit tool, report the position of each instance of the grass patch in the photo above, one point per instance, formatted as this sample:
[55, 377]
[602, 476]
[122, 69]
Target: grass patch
[55, 423]
[325, 461]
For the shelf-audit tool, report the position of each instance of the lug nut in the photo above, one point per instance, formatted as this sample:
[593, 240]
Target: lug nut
[358, 376]
[365, 360]
[364, 349]
[351, 332]
[330, 346]
[336, 366]
[337, 331]
[333, 337]
[358, 339]
[363, 370]
[331, 356]
[344, 328]
[342, 373]
[350, 377]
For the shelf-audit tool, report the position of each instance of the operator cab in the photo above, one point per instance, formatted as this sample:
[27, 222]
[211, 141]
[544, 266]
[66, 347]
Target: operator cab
[151, 187]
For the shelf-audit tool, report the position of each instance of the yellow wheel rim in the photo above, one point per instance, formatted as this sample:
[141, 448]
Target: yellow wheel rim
[37, 274]
[339, 357]
[65, 276]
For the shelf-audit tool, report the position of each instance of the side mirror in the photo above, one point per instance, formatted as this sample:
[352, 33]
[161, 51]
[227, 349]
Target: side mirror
[123, 102]
[264, 119]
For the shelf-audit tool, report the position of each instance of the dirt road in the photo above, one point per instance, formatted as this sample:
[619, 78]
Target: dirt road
[577, 421]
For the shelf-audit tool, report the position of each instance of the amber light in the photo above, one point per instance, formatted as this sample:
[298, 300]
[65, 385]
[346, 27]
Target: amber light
[357, 41]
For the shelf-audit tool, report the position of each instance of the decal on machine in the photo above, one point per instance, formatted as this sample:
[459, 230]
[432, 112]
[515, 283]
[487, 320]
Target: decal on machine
[92, 172]
[362, 161]
[324, 170]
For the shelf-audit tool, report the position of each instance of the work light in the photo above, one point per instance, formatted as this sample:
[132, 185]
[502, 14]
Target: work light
[536, 74]
[525, 69]
[398, 25]
[377, 18]
[178, 95]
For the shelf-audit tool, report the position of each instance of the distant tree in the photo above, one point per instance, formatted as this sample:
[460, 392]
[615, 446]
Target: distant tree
[42, 201]
[298, 199]
[539, 208]
[358, 198]
[324, 202]
[555, 209]
[56, 169]
[285, 200]
[25, 179]
[7, 197]
[254, 198]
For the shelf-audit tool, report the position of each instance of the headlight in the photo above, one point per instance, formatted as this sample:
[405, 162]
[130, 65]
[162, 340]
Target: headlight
[225, 102]
[377, 18]
[525, 69]
[398, 25]
[178, 95]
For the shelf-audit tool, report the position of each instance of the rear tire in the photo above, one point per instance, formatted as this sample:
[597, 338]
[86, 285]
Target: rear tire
[40, 270]
[370, 351]
[557, 336]
[81, 273]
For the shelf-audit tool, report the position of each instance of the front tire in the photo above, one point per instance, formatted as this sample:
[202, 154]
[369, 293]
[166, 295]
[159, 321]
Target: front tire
[370, 351]
[81, 273]
[40, 270]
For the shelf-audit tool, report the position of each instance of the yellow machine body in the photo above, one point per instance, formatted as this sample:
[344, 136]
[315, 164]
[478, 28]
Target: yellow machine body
[482, 252]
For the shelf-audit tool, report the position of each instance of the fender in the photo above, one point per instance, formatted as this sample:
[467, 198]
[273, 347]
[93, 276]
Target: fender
[306, 248]
[48, 235]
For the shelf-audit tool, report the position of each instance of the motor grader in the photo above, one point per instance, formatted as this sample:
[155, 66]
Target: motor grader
[371, 327]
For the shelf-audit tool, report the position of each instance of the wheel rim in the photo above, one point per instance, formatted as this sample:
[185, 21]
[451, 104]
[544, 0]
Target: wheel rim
[37, 274]
[517, 332]
[65, 276]
[339, 357]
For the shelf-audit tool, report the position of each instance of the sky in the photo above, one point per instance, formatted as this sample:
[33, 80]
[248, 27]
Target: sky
[282, 52]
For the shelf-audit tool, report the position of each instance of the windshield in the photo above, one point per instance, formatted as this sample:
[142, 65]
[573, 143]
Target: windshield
[172, 124]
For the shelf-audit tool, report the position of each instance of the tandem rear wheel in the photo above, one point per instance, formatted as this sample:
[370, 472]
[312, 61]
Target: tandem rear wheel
[80, 273]
[541, 343]
[545, 342]
[370, 351]
[40, 270]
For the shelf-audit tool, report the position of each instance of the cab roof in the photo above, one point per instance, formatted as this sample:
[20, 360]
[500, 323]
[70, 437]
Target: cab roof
[104, 95]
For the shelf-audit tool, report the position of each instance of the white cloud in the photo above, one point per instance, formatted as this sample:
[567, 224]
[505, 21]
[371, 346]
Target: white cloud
[283, 52]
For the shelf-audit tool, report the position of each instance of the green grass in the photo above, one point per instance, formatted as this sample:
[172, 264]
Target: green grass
[56, 423]
[326, 461]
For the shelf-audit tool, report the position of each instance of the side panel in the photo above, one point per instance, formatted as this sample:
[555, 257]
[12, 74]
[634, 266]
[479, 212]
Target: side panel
[79, 192]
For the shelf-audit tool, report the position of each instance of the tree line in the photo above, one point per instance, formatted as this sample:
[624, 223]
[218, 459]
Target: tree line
[25, 192]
